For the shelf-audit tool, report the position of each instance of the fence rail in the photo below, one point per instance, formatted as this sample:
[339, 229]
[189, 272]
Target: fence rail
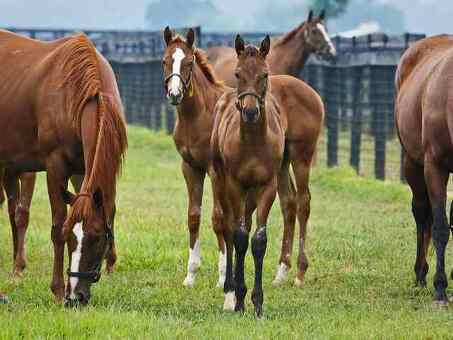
[358, 89]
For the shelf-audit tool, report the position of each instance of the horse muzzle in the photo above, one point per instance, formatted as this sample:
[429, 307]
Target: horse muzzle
[251, 115]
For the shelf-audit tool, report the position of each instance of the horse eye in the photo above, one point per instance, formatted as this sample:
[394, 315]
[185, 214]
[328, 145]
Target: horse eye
[265, 75]
[236, 75]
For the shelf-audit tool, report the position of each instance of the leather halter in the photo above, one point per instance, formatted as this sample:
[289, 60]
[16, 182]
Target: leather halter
[185, 83]
[242, 95]
[94, 275]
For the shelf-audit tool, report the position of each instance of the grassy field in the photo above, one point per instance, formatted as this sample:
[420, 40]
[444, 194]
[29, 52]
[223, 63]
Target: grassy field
[361, 244]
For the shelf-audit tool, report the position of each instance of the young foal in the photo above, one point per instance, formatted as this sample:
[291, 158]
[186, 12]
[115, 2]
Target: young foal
[247, 143]
[261, 129]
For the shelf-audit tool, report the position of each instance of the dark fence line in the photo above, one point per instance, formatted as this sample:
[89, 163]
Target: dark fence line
[358, 89]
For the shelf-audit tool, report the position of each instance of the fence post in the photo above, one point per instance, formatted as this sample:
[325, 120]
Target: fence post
[356, 128]
[379, 116]
[331, 93]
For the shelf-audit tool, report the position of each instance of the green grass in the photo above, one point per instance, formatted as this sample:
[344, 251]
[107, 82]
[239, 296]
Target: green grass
[361, 243]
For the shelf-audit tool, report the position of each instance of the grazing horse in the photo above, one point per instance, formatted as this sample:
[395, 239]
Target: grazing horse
[288, 54]
[424, 119]
[260, 128]
[61, 113]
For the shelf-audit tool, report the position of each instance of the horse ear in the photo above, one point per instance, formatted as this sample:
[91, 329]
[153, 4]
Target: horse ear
[68, 197]
[310, 16]
[239, 44]
[190, 38]
[322, 16]
[265, 46]
[168, 35]
[97, 198]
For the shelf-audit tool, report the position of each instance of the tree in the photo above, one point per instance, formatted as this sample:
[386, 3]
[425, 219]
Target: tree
[333, 8]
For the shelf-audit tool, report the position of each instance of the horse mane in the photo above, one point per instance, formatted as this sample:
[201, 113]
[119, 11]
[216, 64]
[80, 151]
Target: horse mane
[82, 79]
[207, 69]
[202, 61]
[290, 35]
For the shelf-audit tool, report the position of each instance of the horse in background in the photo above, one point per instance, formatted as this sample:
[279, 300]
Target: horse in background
[288, 54]
[61, 113]
[424, 121]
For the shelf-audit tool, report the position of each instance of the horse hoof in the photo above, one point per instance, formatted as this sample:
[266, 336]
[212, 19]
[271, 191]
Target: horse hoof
[259, 312]
[18, 273]
[230, 302]
[298, 282]
[4, 299]
[281, 276]
[110, 269]
[441, 304]
[189, 281]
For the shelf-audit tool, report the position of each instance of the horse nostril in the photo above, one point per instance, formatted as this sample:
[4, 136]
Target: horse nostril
[82, 297]
[251, 113]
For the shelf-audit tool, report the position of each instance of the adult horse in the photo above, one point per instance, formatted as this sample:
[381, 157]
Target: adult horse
[288, 53]
[260, 128]
[424, 119]
[61, 113]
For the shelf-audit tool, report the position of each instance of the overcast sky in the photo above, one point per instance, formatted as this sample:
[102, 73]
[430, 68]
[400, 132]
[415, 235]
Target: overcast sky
[427, 16]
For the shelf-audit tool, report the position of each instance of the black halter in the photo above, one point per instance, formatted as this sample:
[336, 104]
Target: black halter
[94, 275]
[245, 94]
[185, 83]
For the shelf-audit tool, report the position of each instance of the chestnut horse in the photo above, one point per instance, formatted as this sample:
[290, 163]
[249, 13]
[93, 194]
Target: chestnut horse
[288, 54]
[62, 113]
[193, 88]
[252, 146]
[424, 119]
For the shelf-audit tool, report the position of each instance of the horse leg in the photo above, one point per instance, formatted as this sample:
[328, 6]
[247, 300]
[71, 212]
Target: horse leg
[12, 188]
[194, 181]
[265, 200]
[21, 218]
[218, 224]
[56, 182]
[301, 167]
[288, 205]
[436, 180]
[421, 209]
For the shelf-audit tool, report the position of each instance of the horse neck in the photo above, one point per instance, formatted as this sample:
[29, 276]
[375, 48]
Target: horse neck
[201, 103]
[290, 56]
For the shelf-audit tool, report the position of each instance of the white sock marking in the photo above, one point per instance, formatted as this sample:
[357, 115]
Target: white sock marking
[75, 257]
[230, 301]
[282, 271]
[222, 270]
[175, 82]
[193, 264]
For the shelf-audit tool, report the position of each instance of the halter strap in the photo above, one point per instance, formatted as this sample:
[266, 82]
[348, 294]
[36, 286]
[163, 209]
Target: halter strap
[185, 83]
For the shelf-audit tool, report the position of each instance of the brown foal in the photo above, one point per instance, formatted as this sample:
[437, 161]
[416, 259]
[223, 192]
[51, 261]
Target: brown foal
[261, 128]
[288, 54]
[247, 145]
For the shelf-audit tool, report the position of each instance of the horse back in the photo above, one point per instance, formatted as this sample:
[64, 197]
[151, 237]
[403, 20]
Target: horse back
[416, 74]
[301, 106]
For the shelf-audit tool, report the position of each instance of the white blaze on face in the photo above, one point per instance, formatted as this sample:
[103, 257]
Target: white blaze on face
[322, 29]
[75, 257]
[175, 82]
